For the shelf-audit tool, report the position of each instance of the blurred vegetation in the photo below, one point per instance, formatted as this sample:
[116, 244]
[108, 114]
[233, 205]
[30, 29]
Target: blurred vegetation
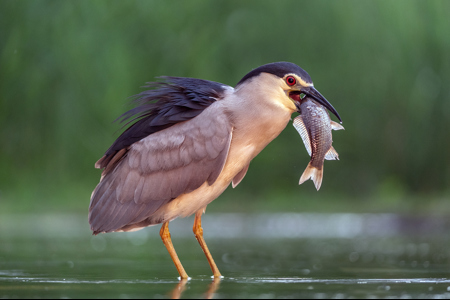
[67, 69]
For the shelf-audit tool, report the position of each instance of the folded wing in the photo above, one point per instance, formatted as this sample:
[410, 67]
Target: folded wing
[159, 168]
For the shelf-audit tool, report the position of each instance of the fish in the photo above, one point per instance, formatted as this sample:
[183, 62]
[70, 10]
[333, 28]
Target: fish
[314, 126]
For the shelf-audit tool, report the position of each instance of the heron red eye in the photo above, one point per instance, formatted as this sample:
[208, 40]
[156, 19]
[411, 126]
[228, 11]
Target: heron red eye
[290, 80]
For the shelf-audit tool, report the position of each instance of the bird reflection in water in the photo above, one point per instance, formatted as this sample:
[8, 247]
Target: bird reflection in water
[181, 287]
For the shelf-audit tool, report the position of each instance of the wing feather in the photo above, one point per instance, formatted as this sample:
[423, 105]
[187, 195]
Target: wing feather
[238, 178]
[128, 187]
[139, 189]
[161, 167]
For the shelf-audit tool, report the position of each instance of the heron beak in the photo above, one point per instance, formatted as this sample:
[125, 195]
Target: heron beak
[313, 93]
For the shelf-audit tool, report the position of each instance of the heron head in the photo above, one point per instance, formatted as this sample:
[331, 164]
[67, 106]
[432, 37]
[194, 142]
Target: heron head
[291, 80]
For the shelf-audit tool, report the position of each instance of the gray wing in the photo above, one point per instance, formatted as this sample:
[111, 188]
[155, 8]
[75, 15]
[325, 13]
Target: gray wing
[159, 168]
[168, 102]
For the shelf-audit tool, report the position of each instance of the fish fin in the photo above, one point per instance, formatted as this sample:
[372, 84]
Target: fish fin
[315, 174]
[336, 126]
[332, 154]
[301, 128]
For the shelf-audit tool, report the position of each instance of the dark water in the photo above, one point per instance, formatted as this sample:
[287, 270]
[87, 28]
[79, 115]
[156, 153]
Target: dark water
[260, 256]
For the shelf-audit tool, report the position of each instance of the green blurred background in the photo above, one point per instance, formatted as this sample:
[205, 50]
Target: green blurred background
[67, 69]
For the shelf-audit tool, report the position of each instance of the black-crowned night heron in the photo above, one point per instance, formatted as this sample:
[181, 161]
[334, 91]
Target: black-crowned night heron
[192, 138]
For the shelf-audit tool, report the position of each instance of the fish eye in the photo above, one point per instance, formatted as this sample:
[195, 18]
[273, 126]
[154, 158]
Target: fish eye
[290, 80]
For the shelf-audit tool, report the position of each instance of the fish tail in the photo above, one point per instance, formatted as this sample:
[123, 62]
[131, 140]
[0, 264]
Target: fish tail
[315, 174]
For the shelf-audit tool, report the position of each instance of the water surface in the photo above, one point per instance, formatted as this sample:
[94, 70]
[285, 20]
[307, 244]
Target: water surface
[260, 256]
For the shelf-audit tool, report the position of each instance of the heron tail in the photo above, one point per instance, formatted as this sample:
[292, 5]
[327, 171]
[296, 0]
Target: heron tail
[314, 174]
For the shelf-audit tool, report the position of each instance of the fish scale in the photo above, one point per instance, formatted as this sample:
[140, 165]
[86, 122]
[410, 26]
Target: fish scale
[314, 126]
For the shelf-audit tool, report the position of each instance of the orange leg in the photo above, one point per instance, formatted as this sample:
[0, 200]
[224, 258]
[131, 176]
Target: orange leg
[165, 236]
[198, 231]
